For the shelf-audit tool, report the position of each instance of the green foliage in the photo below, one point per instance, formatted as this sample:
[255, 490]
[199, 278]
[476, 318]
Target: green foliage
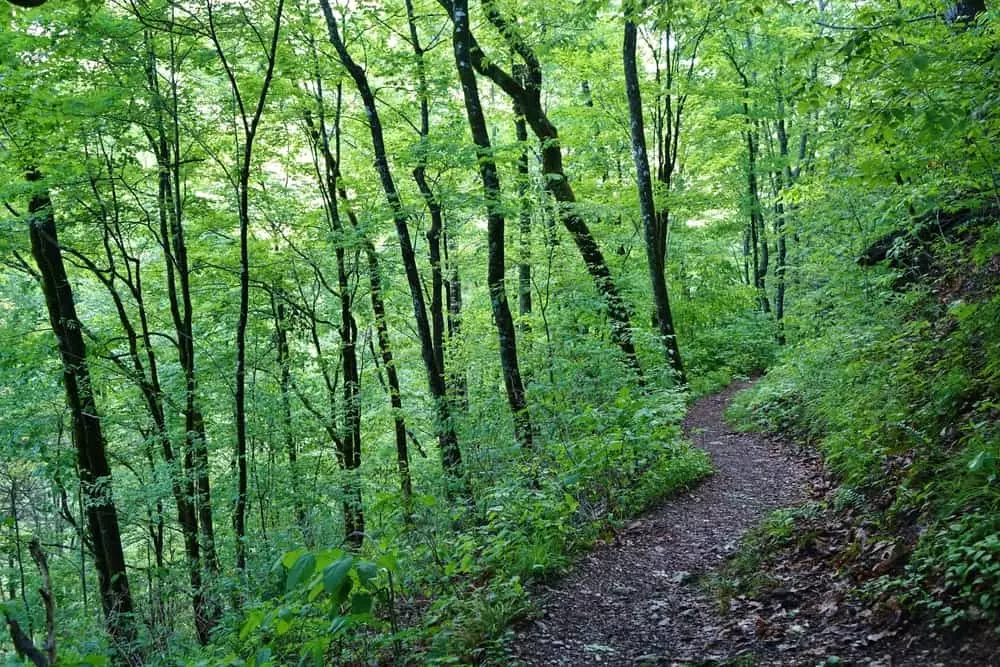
[896, 119]
[327, 597]
[904, 410]
[955, 571]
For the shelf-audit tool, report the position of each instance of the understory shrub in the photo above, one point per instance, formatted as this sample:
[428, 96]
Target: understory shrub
[902, 395]
[447, 589]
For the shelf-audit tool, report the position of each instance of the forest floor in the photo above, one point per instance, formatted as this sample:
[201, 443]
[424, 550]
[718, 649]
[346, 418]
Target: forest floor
[642, 598]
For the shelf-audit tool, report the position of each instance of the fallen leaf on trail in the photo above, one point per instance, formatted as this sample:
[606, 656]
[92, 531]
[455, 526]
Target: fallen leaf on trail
[761, 627]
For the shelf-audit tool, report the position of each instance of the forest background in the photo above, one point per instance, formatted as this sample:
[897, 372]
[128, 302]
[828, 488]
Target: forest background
[368, 315]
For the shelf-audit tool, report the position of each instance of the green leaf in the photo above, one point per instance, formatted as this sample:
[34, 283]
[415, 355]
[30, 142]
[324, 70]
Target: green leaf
[264, 656]
[338, 625]
[301, 571]
[252, 623]
[387, 561]
[983, 461]
[336, 573]
[292, 557]
[361, 603]
[367, 571]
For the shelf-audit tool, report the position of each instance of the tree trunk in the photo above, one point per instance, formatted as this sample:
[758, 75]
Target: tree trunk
[784, 180]
[528, 96]
[191, 476]
[757, 235]
[354, 518]
[451, 456]
[430, 200]
[378, 309]
[195, 480]
[385, 350]
[88, 436]
[647, 207]
[456, 379]
[495, 279]
[250, 121]
[146, 377]
[349, 445]
[288, 428]
[524, 226]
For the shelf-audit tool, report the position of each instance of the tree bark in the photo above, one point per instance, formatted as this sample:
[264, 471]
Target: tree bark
[528, 96]
[458, 388]
[388, 361]
[496, 270]
[647, 207]
[250, 122]
[350, 443]
[146, 377]
[451, 456]
[88, 436]
[288, 428]
[524, 223]
[430, 200]
[192, 475]
[756, 218]
[784, 180]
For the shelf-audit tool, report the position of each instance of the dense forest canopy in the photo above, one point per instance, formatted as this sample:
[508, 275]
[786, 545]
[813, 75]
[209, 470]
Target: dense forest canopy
[326, 326]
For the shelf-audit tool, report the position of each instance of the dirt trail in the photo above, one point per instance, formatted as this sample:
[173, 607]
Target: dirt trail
[635, 601]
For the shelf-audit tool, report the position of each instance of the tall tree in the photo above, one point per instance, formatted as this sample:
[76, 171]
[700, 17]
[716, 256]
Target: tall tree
[756, 238]
[675, 36]
[249, 121]
[164, 138]
[496, 270]
[434, 233]
[647, 207]
[529, 96]
[451, 455]
[88, 434]
[349, 443]
[524, 222]
[122, 266]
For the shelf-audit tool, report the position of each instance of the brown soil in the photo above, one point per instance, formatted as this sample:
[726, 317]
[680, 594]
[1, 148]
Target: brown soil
[640, 599]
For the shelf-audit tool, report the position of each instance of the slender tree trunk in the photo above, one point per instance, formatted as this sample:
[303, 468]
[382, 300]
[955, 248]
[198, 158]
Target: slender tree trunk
[495, 279]
[451, 456]
[354, 518]
[560, 189]
[647, 207]
[458, 389]
[524, 226]
[430, 200]
[385, 350]
[332, 160]
[790, 176]
[288, 427]
[392, 377]
[528, 97]
[148, 382]
[192, 475]
[784, 180]
[746, 256]
[88, 436]
[250, 121]
[434, 252]
[350, 444]
[757, 237]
